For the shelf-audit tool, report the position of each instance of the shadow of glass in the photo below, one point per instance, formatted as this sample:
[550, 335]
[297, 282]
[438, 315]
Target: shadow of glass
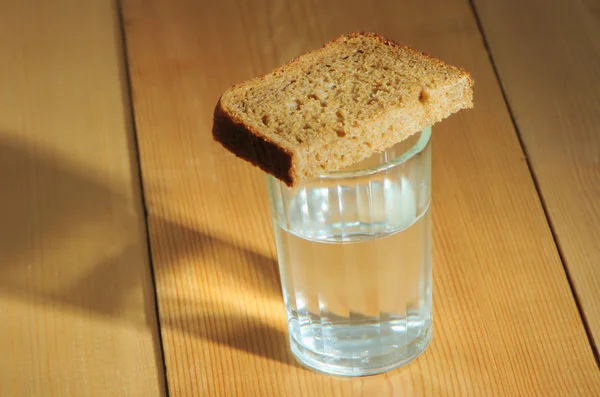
[55, 214]
[235, 330]
[68, 238]
[173, 242]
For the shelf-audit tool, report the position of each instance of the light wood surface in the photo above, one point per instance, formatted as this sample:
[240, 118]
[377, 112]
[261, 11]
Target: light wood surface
[506, 322]
[548, 58]
[77, 311]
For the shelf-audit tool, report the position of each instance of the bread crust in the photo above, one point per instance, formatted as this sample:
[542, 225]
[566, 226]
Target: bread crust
[292, 163]
[249, 145]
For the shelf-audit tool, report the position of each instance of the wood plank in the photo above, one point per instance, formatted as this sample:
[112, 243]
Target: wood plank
[505, 320]
[77, 304]
[549, 62]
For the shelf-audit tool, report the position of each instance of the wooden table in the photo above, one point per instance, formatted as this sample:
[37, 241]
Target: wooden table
[137, 257]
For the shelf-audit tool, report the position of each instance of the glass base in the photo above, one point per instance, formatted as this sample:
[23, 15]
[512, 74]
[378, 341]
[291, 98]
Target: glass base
[361, 366]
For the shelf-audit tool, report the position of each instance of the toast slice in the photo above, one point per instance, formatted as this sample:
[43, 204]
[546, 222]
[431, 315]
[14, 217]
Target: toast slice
[333, 107]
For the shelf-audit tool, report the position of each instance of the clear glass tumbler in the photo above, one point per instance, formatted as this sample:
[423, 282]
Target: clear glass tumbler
[354, 250]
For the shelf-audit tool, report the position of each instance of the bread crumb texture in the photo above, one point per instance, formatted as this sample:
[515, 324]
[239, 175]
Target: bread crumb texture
[338, 105]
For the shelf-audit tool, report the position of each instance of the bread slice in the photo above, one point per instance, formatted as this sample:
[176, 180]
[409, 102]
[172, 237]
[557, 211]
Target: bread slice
[333, 107]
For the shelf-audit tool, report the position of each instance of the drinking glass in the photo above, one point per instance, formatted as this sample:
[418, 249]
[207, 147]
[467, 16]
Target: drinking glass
[354, 251]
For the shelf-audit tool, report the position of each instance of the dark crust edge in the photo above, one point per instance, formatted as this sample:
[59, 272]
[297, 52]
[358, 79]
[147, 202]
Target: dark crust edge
[255, 148]
[252, 146]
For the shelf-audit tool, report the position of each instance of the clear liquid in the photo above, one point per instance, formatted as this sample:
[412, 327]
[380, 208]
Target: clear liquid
[356, 281]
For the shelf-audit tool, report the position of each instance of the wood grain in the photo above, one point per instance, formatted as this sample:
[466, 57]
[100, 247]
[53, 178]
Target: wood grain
[506, 322]
[77, 311]
[549, 62]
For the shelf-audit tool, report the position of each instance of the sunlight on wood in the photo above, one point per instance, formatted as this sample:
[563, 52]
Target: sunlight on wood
[505, 321]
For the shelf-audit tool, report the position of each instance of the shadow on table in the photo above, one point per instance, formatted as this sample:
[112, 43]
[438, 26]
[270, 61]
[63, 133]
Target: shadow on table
[65, 237]
[70, 238]
[234, 330]
[176, 245]
[178, 242]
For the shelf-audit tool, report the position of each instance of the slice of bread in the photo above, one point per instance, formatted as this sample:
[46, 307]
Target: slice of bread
[335, 106]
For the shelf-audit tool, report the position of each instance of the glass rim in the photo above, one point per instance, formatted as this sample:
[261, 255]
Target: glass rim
[402, 158]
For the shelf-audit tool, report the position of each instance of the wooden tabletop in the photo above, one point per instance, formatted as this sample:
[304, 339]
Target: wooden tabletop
[137, 256]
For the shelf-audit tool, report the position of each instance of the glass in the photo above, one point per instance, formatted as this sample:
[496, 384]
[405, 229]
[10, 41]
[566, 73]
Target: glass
[354, 250]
